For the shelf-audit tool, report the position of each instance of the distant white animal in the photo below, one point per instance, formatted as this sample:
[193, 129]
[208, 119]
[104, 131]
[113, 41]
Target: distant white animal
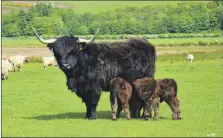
[18, 61]
[190, 57]
[4, 57]
[7, 63]
[49, 61]
[6, 67]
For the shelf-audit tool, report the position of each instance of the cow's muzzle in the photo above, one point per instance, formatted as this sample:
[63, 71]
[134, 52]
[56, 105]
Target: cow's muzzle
[66, 65]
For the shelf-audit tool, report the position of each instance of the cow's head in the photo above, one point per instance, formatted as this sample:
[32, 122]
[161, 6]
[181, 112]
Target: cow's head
[65, 49]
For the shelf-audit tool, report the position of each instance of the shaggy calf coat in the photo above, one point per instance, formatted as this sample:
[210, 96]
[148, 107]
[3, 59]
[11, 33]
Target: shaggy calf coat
[166, 91]
[120, 94]
[143, 89]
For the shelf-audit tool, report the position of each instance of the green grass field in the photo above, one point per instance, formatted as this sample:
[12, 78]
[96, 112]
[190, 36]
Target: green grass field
[36, 102]
[33, 42]
[87, 6]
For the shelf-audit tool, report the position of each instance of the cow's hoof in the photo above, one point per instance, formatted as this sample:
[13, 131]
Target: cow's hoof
[92, 118]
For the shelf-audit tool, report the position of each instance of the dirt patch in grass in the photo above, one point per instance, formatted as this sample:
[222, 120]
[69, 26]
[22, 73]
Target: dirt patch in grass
[37, 52]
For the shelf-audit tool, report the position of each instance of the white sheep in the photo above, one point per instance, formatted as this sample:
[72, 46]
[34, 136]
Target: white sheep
[9, 65]
[49, 61]
[17, 61]
[190, 57]
[6, 67]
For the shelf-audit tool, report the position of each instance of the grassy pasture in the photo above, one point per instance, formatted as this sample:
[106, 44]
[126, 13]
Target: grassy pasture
[36, 102]
[33, 42]
[85, 6]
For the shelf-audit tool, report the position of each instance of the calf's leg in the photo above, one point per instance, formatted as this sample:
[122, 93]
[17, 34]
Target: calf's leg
[114, 109]
[147, 110]
[174, 105]
[155, 106]
[126, 110]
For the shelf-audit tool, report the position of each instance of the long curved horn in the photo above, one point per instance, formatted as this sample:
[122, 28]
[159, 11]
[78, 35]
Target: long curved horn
[88, 41]
[47, 41]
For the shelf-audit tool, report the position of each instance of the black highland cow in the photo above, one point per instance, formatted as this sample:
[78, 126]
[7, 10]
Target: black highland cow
[89, 66]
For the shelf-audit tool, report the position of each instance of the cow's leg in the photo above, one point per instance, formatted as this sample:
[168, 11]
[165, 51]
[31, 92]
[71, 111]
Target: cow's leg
[88, 110]
[135, 106]
[136, 111]
[95, 96]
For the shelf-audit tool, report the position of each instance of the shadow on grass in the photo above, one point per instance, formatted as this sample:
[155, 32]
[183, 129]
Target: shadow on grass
[71, 115]
[81, 115]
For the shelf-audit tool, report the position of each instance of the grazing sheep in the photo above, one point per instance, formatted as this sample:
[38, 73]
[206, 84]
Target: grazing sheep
[120, 94]
[8, 64]
[166, 90]
[4, 58]
[49, 61]
[17, 61]
[143, 89]
[190, 57]
[6, 67]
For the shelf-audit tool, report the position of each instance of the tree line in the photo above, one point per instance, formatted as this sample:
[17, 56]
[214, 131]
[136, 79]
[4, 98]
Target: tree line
[185, 17]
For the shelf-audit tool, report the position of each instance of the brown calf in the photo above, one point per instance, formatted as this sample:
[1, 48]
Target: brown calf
[143, 89]
[167, 91]
[120, 94]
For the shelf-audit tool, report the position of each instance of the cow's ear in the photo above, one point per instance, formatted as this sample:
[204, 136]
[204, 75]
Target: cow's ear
[50, 46]
[83, 45]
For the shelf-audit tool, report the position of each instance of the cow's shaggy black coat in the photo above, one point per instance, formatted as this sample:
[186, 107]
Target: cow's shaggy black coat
[90, 66]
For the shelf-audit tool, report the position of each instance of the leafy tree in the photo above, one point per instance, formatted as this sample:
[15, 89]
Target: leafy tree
[10, 30]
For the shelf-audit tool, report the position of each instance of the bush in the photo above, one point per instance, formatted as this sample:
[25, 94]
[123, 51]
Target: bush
[200, 43]
[34, 59]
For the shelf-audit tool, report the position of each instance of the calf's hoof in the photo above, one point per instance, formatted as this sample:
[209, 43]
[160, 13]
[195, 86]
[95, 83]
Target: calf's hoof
[179, 116]
[114, 119]
[128, 118]
[155, 119]
[146, 118]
